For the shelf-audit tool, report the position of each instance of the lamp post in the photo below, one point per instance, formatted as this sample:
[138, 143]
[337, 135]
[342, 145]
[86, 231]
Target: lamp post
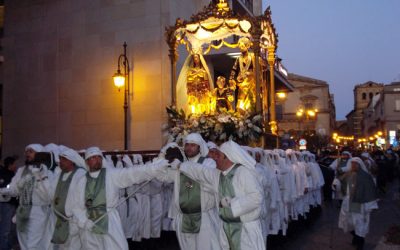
[306, 115]
[122, 80]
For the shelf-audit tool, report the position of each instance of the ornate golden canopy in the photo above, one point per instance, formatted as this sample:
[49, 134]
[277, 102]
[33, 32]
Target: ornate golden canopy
[217, 22]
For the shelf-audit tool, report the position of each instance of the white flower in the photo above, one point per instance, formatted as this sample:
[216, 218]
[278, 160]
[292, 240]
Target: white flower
[257, 118]
[257, 129]
[222, 136]
[223, 118]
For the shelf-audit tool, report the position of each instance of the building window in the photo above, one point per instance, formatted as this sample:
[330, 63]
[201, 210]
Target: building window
[364, 96]
[371, 95]
[308, 106]
[397, 105]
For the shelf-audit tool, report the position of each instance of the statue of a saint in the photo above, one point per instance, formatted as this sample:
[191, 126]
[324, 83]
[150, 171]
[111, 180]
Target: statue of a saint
[243, 77]
[194, 86]
[224, 95]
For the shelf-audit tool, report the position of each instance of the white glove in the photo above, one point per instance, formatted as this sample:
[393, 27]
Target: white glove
[89, 225]
[160, 162]
[226, 201]
[336, 185]
[175, 164]
[37, 173]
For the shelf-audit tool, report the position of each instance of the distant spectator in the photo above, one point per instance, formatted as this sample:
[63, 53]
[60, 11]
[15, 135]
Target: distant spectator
[8, 205]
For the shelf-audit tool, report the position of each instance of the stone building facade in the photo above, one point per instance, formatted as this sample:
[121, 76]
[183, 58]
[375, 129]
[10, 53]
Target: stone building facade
[363, 94]
[308, 95]
[383, 114]
[60, 56]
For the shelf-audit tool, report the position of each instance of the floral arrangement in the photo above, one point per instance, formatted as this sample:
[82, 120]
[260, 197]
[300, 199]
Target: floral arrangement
[244, 128]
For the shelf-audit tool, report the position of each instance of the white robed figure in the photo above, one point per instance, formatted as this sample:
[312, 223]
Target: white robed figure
[61, 190]
[238, 192]
[33, 211]
[360, 199]
[98, 197]
[193, 206]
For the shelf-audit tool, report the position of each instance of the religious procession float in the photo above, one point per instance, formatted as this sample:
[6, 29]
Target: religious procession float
[238, 104]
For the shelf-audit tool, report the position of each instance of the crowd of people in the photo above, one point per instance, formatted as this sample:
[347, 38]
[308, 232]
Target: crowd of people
[212, 197]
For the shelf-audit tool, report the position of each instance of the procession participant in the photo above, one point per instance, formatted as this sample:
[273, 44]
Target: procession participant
[340, 166]
[238, 192]
[360, 199]
[60, 190]
[194, 207]
[299, 206]
[370, 164]
[318, 178]
[33, 210]
[98, 196]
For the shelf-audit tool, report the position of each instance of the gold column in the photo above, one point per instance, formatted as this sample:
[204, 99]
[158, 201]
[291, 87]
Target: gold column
[258, 77]
[271, 62]
[173, 56]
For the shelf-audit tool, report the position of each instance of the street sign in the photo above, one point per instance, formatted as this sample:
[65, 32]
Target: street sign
[302, 142]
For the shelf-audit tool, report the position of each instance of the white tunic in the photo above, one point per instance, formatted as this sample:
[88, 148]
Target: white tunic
[359, 222]
[246, 204]
[35, 236]
[115, 180]
[207, 238]
[48, 189]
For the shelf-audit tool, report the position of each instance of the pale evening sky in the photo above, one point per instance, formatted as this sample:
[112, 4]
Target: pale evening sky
[343, 42]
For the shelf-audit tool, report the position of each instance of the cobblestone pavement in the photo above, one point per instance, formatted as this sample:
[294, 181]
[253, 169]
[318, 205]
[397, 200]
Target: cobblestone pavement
[318, 232]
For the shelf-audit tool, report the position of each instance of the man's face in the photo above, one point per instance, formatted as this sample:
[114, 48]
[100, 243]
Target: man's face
[217, 156]
[66, 165]
[13, 167]
[95, 163]
[29, 155]
[345, 156]
[191, 149]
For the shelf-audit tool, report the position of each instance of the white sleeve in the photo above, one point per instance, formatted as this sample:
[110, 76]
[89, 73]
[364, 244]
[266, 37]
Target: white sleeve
[209, 177]
[47, 187]
[12, 189]
[79, 209]
[252, 194]
[334, 165]
[126, 177]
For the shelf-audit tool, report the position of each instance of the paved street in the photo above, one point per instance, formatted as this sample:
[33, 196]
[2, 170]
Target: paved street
[322, 232]
[319, 231]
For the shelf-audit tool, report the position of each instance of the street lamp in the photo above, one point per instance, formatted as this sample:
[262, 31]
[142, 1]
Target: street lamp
[122, 80]
[305, 115]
